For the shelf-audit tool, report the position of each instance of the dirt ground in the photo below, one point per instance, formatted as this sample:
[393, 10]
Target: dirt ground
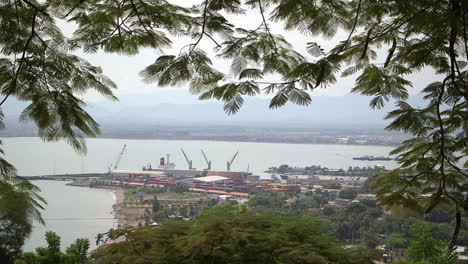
[126, 216]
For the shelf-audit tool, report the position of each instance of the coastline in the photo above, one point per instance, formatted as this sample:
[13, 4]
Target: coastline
[231, 141]
[118, 205]
[126, 216]
[123, 215]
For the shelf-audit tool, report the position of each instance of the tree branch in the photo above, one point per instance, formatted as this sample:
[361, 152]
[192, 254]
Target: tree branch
[115, 30]
[139, 18]
[442, 131]
[266, 27]
[453, 39]
[342, 49]
[37, 8]
[464, 35]
[215, 42]
[21, 61]
[455, 167]
[384, 32]
[205, 11]
[353, 28]
[419, 174]
[73, 8]
[453, 241]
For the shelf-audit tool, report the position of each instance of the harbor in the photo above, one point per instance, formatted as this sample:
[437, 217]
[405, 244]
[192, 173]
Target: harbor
[251, 166]
[236, 184]
[228, 182]
[40, 158]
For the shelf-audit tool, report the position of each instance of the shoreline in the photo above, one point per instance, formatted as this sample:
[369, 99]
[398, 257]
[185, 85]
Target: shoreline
[232, 141]
[118, 203]
[123, 216]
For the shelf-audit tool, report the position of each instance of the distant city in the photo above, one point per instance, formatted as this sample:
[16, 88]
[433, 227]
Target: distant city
[328, 120]
[235, 133]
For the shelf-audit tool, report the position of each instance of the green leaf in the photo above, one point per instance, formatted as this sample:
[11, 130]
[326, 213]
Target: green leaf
[233, 105]
[314, 49]
[299, 97]
[251, 73]
[279, 99]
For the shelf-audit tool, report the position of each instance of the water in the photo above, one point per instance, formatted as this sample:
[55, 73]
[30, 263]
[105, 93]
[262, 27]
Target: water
[72, 213]
[31, 156]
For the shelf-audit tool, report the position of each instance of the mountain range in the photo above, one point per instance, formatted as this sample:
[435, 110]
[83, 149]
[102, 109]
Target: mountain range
[349, 111]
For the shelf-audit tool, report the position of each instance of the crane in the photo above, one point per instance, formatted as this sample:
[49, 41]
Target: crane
[229, 163]
[119, 157]
[187, 159]
[206, 159]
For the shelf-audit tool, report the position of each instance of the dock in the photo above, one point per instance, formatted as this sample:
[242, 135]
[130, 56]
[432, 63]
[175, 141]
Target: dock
[66, 177]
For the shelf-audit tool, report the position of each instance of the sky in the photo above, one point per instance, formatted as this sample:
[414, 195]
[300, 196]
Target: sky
[124, 70]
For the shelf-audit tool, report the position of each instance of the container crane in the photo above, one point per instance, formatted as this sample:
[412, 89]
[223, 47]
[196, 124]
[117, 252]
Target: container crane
[189, 162]
[229, 163]
[206, 159]
[119, 157]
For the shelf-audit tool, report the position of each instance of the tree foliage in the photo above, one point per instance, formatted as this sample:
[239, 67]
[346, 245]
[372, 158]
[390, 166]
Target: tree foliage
[37, 66]
[348, 193]
[424, 249]
[228, 235]
[20, 206]
[76, 253]
[413, 40]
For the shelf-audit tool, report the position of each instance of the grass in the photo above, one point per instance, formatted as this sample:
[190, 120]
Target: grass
[81, 182]
[148, 193]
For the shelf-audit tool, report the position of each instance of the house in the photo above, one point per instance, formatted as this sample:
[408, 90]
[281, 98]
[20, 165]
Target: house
[340, 201]
[214, 179]
[366, 196]
[253, 178]
[225, 197]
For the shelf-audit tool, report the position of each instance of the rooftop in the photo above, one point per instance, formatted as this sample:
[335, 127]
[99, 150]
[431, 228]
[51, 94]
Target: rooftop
[213, 178]
[138, 172]
[219, 192]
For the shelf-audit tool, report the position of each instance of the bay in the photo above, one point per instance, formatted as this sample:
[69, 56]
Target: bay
[32, 156]
[72, 212]
[75, 212]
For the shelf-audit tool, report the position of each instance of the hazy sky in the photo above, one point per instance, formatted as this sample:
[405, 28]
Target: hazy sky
[124, 70]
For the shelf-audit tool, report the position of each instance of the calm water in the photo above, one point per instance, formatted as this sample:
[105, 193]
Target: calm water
[71, 212]
[31, 157]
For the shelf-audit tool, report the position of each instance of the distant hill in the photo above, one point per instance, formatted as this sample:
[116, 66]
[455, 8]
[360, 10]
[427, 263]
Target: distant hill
[329, 111]
[349, 111]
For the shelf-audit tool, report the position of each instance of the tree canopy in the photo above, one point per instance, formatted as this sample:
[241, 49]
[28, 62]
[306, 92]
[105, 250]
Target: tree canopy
[425, 249]
[38, 65]
[76, 253]
[19, 207]
[228, 235]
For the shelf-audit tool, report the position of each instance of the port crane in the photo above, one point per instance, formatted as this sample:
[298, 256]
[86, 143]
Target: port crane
[207, 161]
[119, 157]
[187, 159]
[229, 163]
